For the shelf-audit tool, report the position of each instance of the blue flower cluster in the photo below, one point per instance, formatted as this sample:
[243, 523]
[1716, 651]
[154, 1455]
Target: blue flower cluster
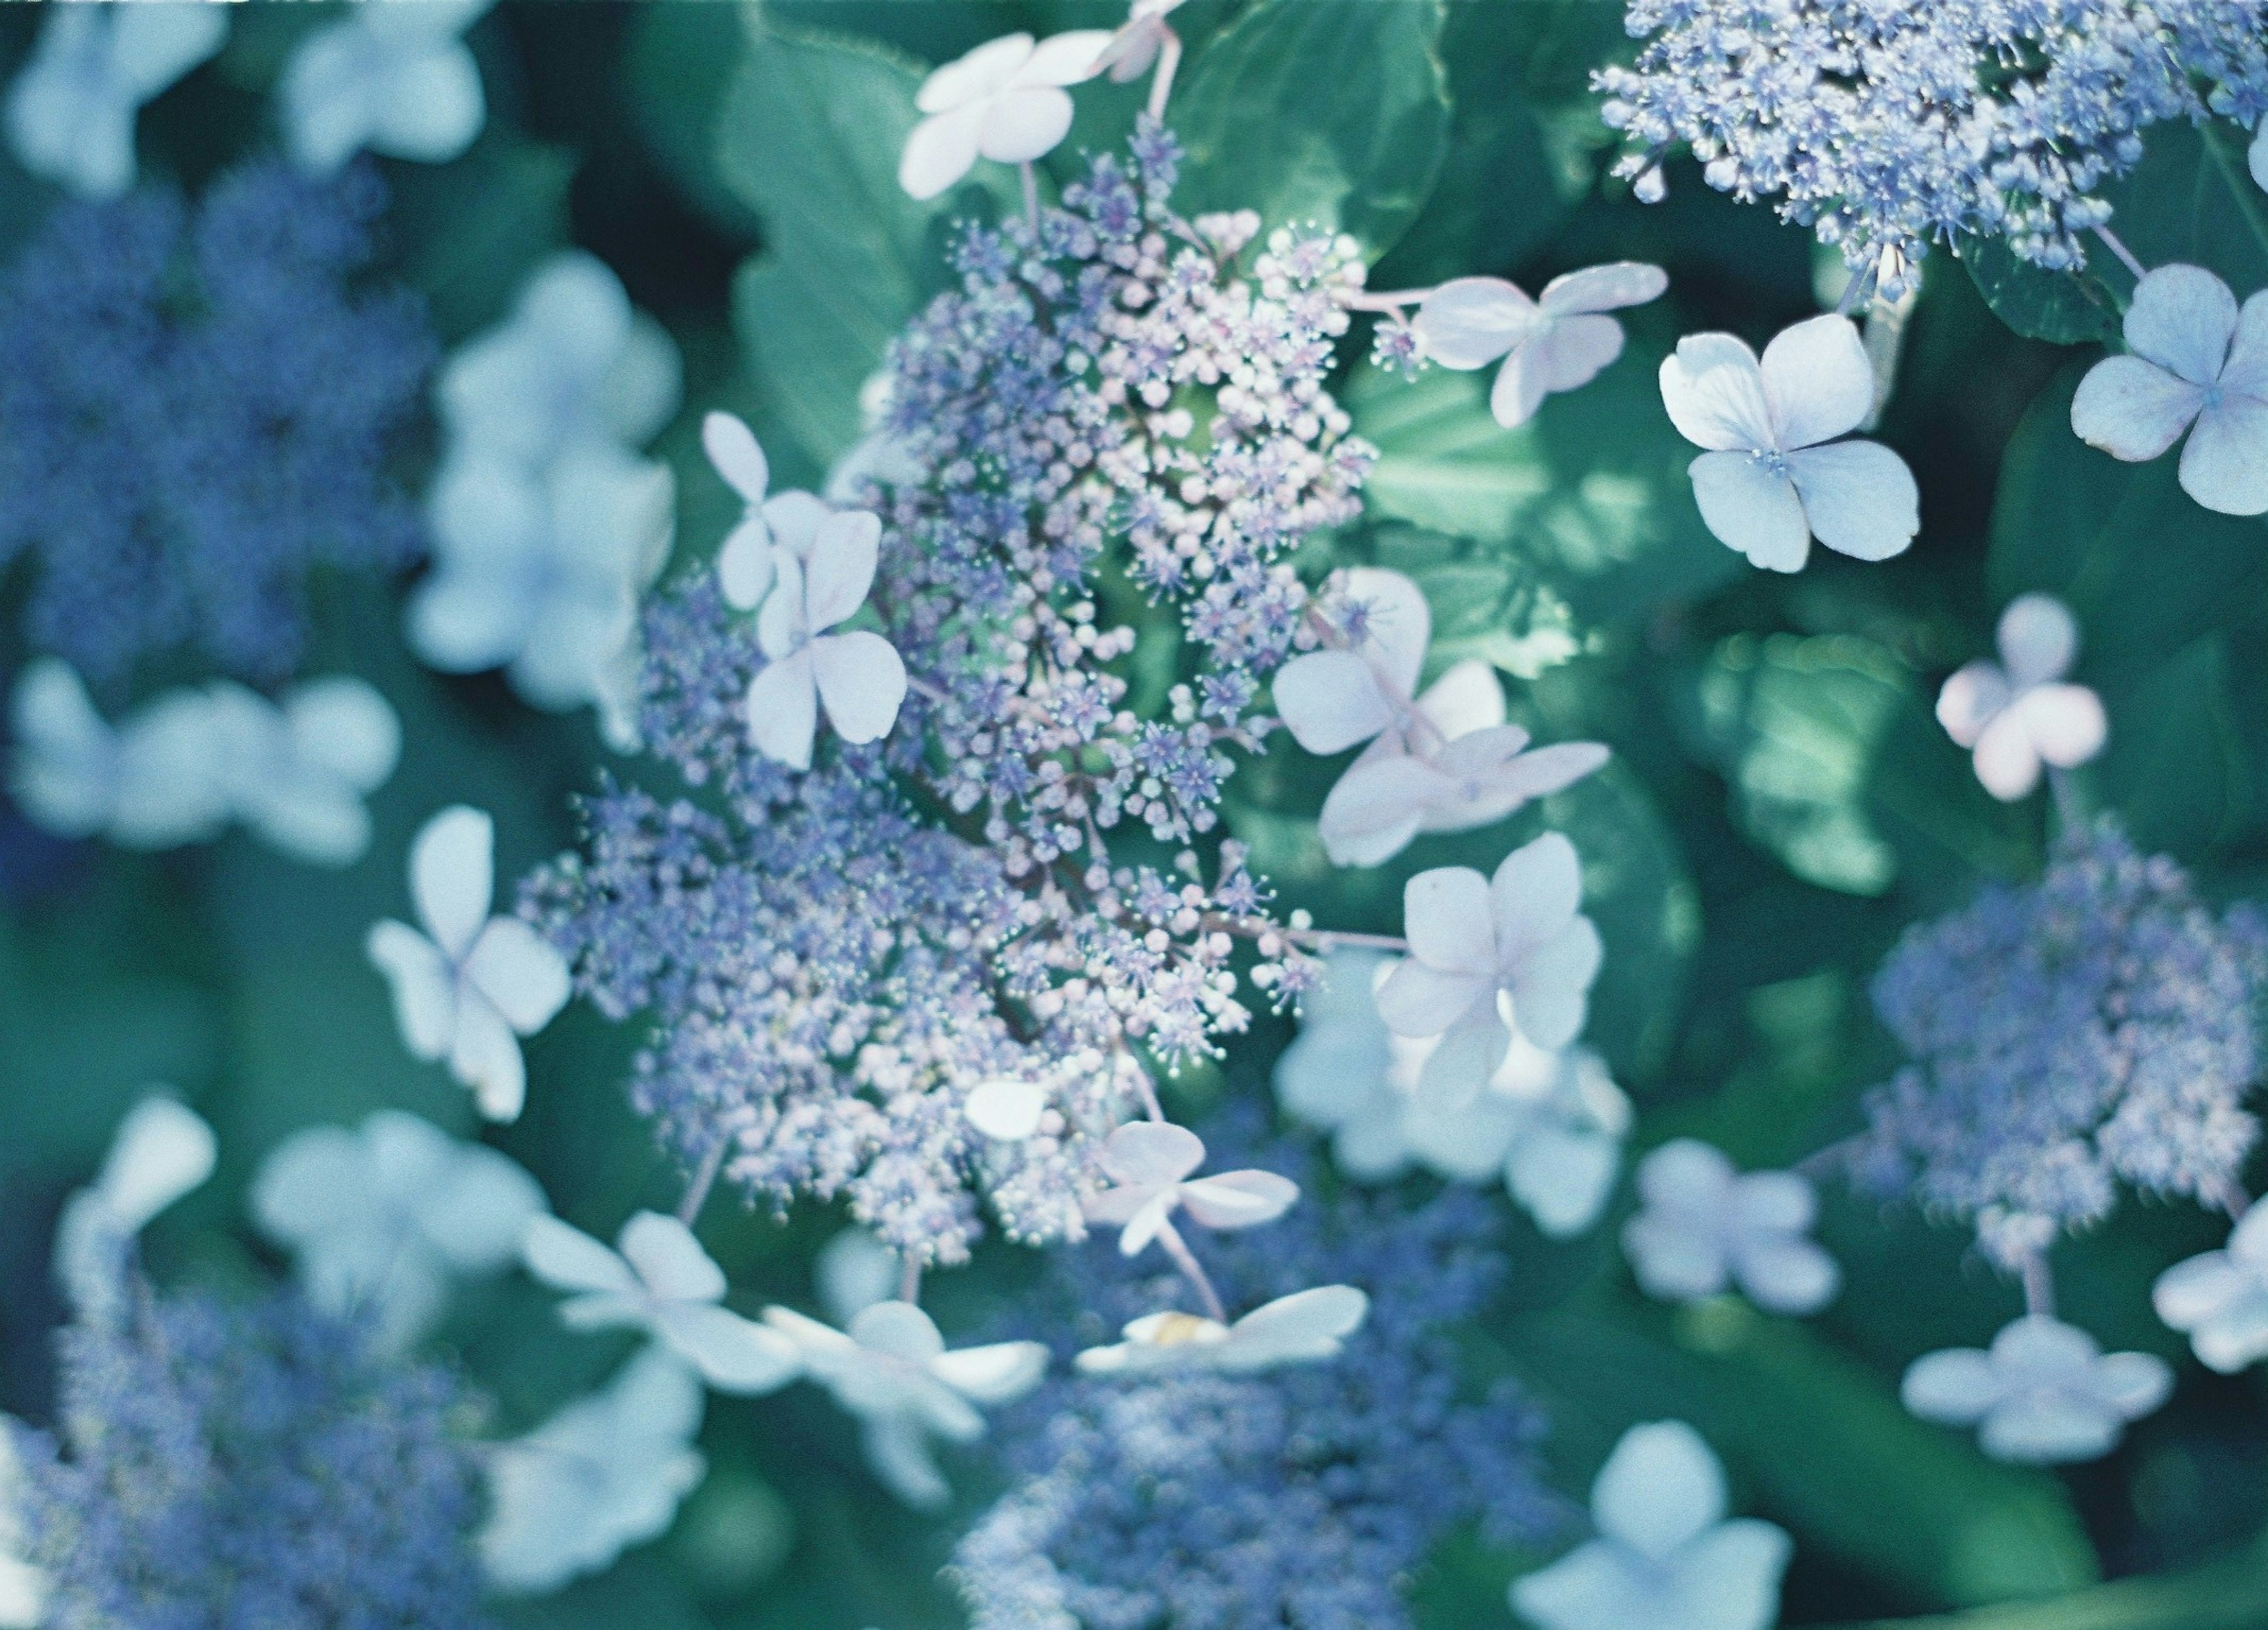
[250, 1467]
[196, 410]
[1887, 124]
[2095, 1027]
[834, 958]
[1304, 1497]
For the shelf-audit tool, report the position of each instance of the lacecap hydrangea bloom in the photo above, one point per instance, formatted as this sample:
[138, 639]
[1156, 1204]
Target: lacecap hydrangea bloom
[1886, 127]
[250, 1465]
[197, 410]
[830, 965]
[1190, 1495]
[2094, 1028]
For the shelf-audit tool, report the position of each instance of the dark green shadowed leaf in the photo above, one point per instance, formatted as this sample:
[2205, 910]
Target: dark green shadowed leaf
[1329, 111]
[2067, 308]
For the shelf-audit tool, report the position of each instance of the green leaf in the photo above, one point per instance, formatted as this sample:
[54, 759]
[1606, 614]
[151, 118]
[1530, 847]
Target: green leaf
[1591, 494]
[1793, 725]
[680, 63]
[2065, 308]
[2176, 772]
[2190, 199]
[1331, 111]
[1823, 1440]
[809, 140]
[474, 229]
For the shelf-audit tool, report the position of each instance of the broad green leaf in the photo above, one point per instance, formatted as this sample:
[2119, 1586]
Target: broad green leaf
[1329, 111]
[2177, 772]
[2067, 308]
[2190, 199]
[680, 61]
[1591, 493]
[1793, 724]
[809, 140]
[1821, 1443]
[474, 229]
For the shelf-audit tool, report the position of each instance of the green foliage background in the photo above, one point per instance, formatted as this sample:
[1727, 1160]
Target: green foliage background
[1781, 803]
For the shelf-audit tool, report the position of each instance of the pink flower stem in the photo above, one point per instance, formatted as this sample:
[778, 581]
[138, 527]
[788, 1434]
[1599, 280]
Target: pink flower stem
[2039, 1286]
[1169, 62]
[1031, 197]
[2126, 257]
[705, 1178]
[1193, 1270]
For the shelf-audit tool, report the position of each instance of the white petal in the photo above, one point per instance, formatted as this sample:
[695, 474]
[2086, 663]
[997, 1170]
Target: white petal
[2256, 158]
[476, 1213]
[940, 151]
[641, 392]
[2236, 1338]
[1446, 912]
[1858, 498]
[1024, 124]
[1006, 1109]
[898, 1454]
[1537, 888]
[423, 986]
[2065, 723]
[2181, 318]
[1418, 1001]
[989, 68]
[1660, 1488]
[1972, 698]
[1574, 351]
[2133, 1384]
[1728, 1579]
[1592, 1587]
[1714, 392]
[1603, 288]
[1687, 1176]
[2007, 761]
[431, 108]
[862, 680]
[1674, 1258]
[1563, 1177]
[2247, 1242]
[855, 1270]
[171, 787]
[345, 726]
[899, 1329]
[2132, 410]
[2198, 1288]
[1239, 1200]
[1144, 1155]
[1468, 696]
[1784, 1275]
[1067, 58]
[2224, 467]
[452, 873]
[64, 770]
[1452, 1079]
[1749, 507]
[1469, 323]
[315, 1181]
[163, 1150]
[519, 971]
[733, 1355]
[669, 1259]
[1376, 808]
[1955, 1387]
[484, 1055]
[744, 566]
[1306, 1325]
[844, 555]
[1329, 700]
[1550, 989]
[1397, 624]
[2048, 1429]
[1773, 1202]
[1493, 778]
[782, 623]
[783, 709]
[2246, 371]
[737, 455]
[1523, 382]
[999, 1373]
[1818, 381]
[2038, 639]
[566, 1258]
[330, 91]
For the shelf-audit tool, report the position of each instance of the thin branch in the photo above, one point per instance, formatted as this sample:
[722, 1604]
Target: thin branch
[705, 1178]
[2039, 1286]
[2126, 257]
[1169, 61]
[1185, 1259]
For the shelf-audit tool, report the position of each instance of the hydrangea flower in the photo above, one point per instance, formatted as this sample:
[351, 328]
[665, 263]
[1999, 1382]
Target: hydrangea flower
[161, 1151]
[1706, 1225]
[297, 772]
[2220, 1298]
[660, 1279]
[858, 676]
[1004, 100]
[605, 1473]
[1443, 761]
[1148, 1163]
[546, 524]
[2196, 362]
[253, 1465]
[1667, 1557]
[1549, 1124]
[1145, 38]
[393, 78]
[833, 960]
[746, 564]
[70, 112]
[145, 782]
[2044, 1394]
[381, 1218]
[892, 1370]
[1306, 1327]
[1556, 342]
[1476, 940]
[468, 986]
[2016, 714]
[1886, 129]
[2093, 1028]
[1774, 477]
[198, 409]
[1184, 1493]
